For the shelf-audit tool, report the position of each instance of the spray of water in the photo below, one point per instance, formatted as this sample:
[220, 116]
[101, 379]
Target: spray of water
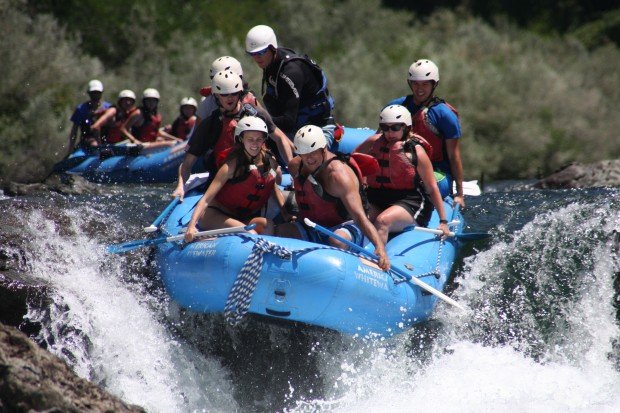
[538, 337]
[111, 331]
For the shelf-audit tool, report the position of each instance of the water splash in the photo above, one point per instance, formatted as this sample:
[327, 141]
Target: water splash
[539, 337]
[110, 329]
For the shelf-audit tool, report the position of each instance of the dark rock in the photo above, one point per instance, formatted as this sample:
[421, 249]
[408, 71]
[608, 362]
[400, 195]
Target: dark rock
[63, 184]
[577, 175]
[31, 379]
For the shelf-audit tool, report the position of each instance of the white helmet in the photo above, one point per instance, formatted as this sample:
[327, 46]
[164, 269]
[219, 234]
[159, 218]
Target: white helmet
[226, 82]
[189, 101]
[395, 114]
[259, 38]
[225, 63]
[308, 139]
[250, 123]
[126, 94]
[95, 86]
[150, 93]
[423, 69]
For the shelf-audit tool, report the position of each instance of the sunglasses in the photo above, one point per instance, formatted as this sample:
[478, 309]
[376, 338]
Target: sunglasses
[224, 95]
[393, 128]
[259, 53]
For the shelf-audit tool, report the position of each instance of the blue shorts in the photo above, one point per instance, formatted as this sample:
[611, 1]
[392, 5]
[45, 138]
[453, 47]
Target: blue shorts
[349, 227]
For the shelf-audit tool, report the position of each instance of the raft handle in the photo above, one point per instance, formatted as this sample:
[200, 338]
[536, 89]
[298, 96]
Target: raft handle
[277, 313]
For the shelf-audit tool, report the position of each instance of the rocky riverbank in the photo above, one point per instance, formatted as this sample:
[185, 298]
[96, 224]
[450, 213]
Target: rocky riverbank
[63, 184]
[578, 175]
[32, 379]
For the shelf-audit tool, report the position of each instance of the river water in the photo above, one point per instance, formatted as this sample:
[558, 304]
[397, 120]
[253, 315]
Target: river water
[541, 333]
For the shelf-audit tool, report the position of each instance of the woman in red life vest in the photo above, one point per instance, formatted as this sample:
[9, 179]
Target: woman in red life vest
[216, 133]
[242, 185]
[403, 191]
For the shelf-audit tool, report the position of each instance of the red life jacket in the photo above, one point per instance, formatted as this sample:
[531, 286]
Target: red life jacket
[245, 196]
[423, 127]
[319, 206]
[147, 132]
[182, 127]
[114, 133]
[226, 139]
[396, 171]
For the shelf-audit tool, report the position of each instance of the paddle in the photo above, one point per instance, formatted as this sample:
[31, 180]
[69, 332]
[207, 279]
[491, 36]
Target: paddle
[397, 270]
[155, 225]
[132, 245]
[467, 236]
[470, 188]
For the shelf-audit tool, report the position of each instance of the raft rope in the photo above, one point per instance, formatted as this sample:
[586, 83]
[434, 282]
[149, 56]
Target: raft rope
[240, 296]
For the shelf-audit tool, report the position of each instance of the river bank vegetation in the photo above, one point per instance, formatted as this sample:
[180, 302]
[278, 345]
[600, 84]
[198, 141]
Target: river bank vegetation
[530, 102]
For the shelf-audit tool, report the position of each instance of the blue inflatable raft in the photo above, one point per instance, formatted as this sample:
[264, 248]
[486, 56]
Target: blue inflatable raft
[123, 166]
[303, 282]
[157, 165]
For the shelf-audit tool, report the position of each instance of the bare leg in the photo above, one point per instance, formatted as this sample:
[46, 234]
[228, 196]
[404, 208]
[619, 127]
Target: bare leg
[393, 219]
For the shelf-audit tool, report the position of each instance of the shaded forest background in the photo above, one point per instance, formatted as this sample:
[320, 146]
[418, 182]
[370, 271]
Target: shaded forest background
[536, 82]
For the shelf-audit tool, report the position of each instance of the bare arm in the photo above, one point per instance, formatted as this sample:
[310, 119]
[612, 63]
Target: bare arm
[105, 118]
[223, 175]
[161, 132]
[344, 185]
[425, 169]
[281, 201]
[129, 123]
[185, 170]
[285, 146]
[454, 154]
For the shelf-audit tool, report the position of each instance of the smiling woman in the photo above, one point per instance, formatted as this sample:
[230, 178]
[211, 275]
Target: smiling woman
[242, 186]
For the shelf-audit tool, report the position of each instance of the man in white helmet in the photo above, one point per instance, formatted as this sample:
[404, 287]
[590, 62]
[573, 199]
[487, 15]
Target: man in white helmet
[208, 105]
[85, 115]
[215, 134]
[436, 121]
[329, 191]
[294, 87]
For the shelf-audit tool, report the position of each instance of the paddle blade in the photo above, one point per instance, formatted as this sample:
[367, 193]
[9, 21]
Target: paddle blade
[132, 245]
[473, 236]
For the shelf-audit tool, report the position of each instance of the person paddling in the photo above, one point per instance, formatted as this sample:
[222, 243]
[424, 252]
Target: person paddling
[143, 125]
[110, 124]
[243, 184]
[329, 191]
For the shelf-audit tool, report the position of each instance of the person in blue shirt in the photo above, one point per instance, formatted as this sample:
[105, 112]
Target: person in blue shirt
[436, 121]
[85, 115]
